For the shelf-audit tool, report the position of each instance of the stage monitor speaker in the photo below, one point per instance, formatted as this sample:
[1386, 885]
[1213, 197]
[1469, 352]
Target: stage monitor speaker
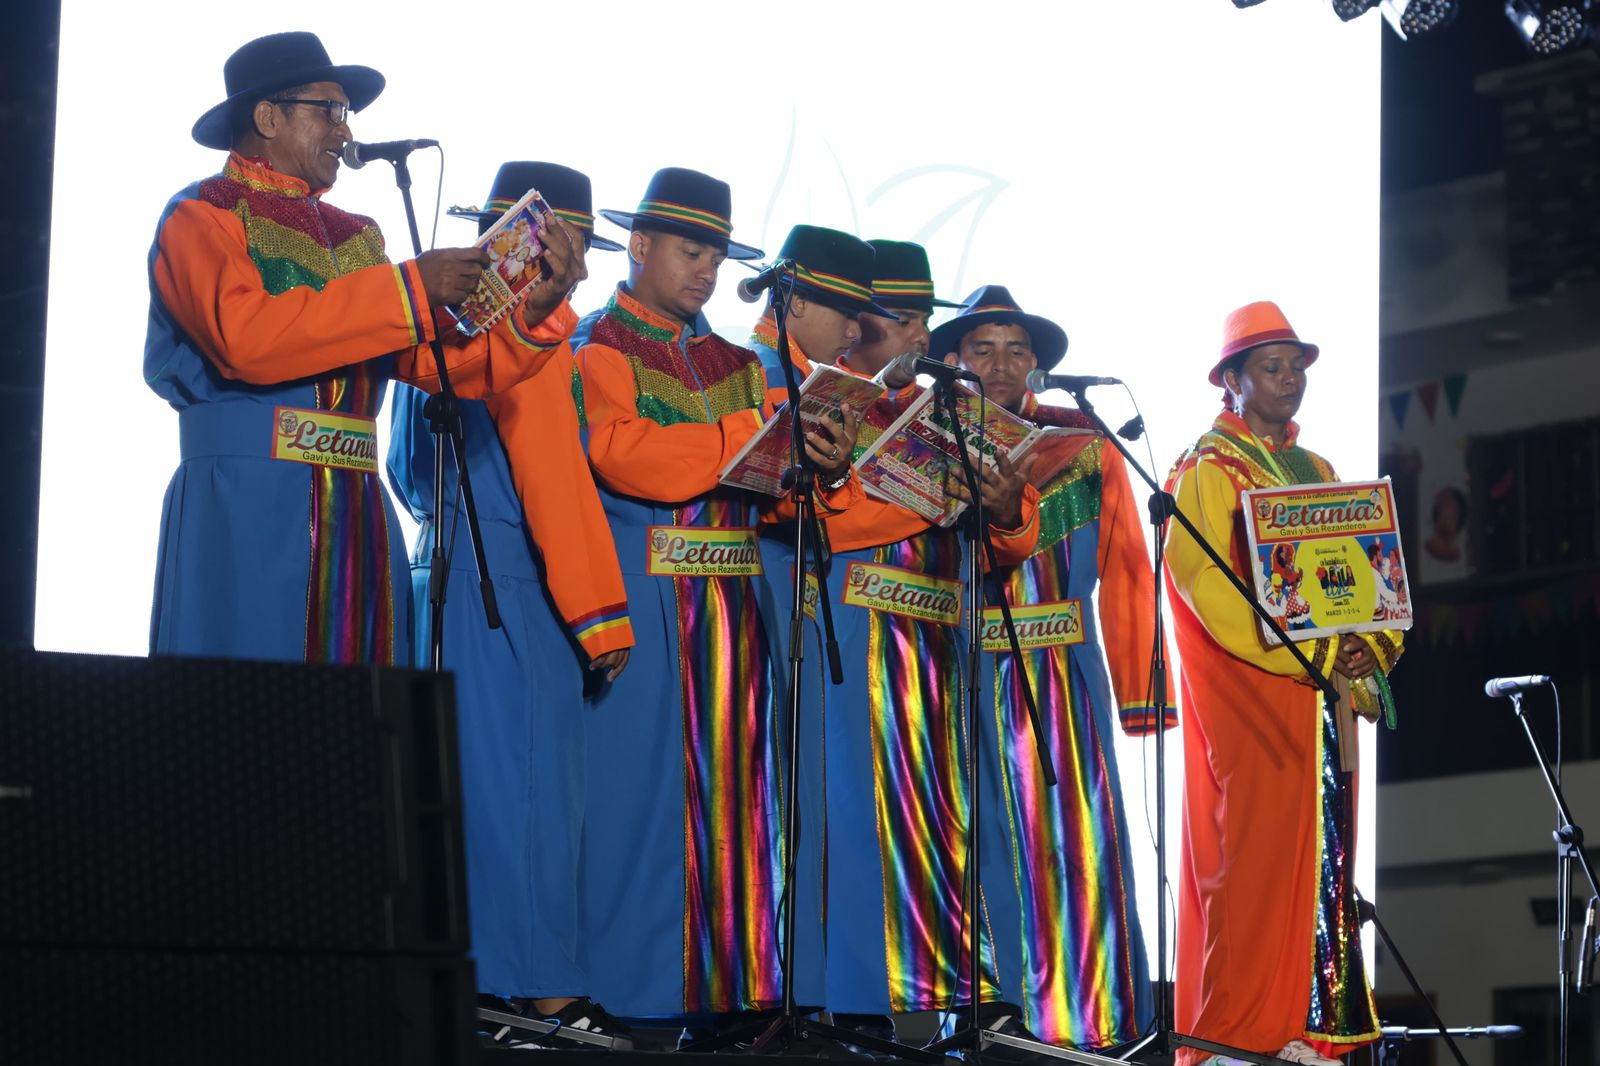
[186, 841]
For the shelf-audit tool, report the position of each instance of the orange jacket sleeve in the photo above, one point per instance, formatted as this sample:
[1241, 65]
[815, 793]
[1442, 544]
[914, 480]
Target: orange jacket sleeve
[207, 280]
[538, 424]
[1127, 600]
[494, 361]
[638, 456]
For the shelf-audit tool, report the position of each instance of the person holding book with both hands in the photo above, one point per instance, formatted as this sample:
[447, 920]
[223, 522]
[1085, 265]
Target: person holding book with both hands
[1069, 915]
[276, 323]
[1269, 943]
[895, 791]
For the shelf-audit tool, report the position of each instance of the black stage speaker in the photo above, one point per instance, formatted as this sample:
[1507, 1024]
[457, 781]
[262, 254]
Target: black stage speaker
[214, 861]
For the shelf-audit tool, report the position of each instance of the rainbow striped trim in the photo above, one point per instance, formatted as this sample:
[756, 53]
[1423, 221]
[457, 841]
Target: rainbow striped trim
[409, 277]
[1140, 719]
[593, 623]
[694, 216]
[832, 283]
[987, 308]
[581, 219]
[883, 288]
[523, 334]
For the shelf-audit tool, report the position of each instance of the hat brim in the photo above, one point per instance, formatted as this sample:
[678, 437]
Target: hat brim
[481, 217]
[626, 219]
[1215, 377]
[362, 85]
[1049, 340]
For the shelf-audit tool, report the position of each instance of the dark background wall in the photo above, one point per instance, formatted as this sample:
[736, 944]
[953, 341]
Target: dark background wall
[28, 50]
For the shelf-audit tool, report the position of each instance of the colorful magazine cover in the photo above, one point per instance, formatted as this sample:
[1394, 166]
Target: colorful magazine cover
[915, 460]
[516, 261]
[1327, 558]
[760, 464]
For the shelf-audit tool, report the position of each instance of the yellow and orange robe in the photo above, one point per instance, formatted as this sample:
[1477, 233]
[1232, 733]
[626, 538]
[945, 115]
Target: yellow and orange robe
[276, 323]
[1083, 977]
[893, 756]
[1268, 944]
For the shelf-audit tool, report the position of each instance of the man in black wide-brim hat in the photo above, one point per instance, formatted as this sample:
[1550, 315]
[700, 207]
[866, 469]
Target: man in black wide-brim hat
[1080, 975]
[519, 689]
[683, 830]
[276, 323]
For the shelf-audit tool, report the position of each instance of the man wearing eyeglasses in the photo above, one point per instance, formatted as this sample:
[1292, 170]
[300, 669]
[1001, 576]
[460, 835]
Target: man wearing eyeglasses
[276, 323]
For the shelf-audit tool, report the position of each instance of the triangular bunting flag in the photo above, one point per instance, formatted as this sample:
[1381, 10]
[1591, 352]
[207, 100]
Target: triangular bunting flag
[1399, 404]
[1454, 386]
[1429, 395]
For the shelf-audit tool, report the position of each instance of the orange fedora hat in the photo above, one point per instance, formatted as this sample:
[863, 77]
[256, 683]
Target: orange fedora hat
[1252, 326]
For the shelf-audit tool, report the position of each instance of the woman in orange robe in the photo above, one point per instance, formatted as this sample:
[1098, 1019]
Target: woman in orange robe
[1268, 944]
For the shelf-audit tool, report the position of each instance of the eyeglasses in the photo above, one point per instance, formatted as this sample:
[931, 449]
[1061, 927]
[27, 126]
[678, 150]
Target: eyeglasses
[336, 110]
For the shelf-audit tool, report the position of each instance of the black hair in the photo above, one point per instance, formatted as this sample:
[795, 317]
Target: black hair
[1234, 363]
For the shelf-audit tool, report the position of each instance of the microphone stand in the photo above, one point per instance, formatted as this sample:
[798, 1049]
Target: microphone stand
[1387, 1052]
[1569, 850]
[443, 412]
[791, 1026]
[1165, 1038]
[971, 1036]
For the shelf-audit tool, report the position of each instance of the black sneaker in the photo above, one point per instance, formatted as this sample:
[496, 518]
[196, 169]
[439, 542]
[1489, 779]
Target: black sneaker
[585, 1015]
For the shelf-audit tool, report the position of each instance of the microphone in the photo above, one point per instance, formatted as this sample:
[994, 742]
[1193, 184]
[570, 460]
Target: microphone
[1038, 381]
[751, 288]
[1586, 951]
[1481, 1032]
[903, 370]
[1505, 686]
[357, 154]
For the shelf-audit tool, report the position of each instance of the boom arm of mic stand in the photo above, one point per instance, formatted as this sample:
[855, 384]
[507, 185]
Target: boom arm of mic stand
[446, 418]
[1330, 694]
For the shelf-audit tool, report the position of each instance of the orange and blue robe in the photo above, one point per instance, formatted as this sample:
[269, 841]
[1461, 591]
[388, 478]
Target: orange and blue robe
[519, 689]
[893, 761]
[684, 834]
[1083, 979]
[276, 323]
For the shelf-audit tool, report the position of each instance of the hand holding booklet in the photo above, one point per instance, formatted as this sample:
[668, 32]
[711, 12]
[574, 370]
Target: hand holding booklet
[516, 264]
[916, 460]
[760, 464]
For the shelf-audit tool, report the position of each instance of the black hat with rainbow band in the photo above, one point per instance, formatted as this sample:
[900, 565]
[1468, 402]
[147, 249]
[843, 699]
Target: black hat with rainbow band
[689, 204]
[567, 191]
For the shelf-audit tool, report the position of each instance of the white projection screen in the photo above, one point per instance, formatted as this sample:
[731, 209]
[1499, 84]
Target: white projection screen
[1132, 170]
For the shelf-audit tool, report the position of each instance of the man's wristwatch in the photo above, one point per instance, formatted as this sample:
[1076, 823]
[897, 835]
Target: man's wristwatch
[839, 482]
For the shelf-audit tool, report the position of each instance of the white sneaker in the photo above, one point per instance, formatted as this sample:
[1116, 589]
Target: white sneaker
[1300, 1051]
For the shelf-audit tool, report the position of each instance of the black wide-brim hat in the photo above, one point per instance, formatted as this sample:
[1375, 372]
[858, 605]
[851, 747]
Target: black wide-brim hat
[567, 191]
[901, 277]
[833, 268]
[993, 304]
[689, 204]
[280, 61]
